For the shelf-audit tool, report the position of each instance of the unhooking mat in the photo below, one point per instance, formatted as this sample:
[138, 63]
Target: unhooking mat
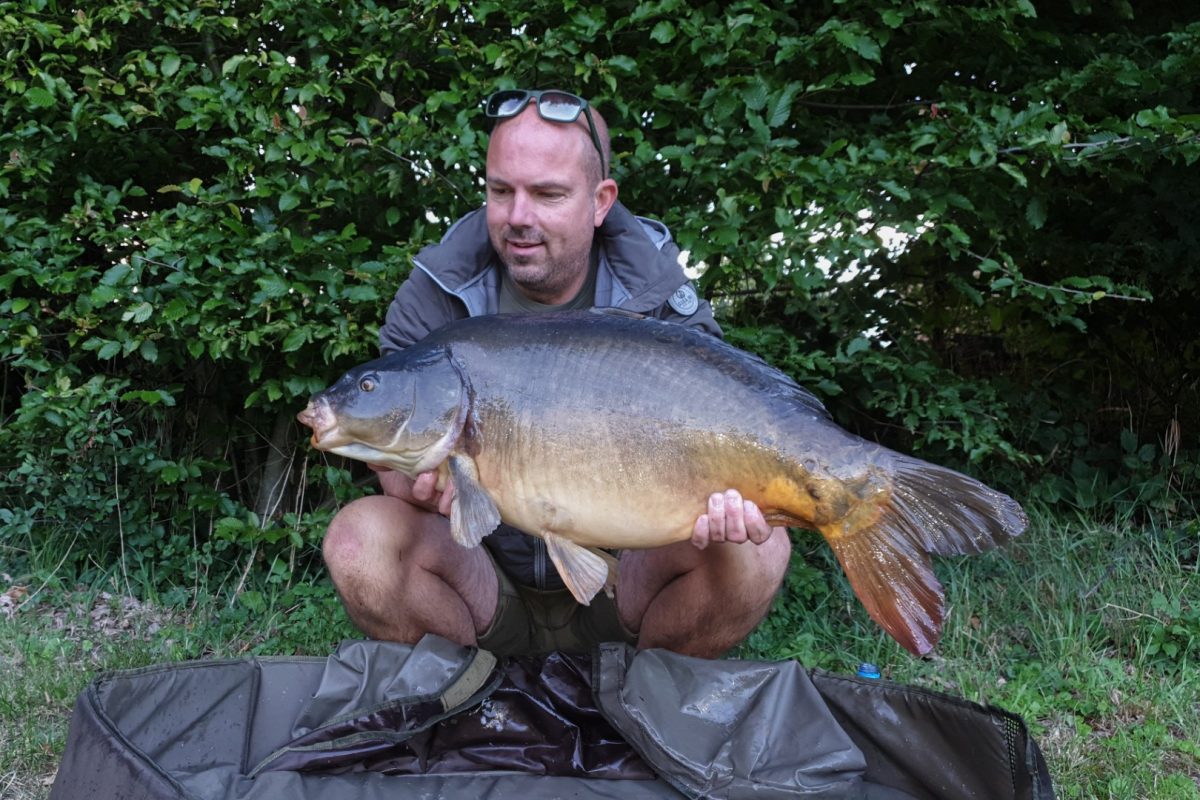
[379, 719]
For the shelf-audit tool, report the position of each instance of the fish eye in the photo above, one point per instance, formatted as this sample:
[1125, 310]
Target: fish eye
[367, 384]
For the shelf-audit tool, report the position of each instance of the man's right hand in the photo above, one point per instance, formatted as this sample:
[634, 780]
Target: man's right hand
[421, 491]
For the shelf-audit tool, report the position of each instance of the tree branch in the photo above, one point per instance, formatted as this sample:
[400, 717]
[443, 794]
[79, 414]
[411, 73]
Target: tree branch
[1081, 292]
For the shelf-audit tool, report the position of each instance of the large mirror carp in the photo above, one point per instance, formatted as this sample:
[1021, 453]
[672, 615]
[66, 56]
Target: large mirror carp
[607, 430]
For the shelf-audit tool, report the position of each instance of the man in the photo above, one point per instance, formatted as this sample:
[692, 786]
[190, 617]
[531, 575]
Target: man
[551, 236]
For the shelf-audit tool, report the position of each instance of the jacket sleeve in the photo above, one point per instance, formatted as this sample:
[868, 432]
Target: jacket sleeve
[419, 308]
[702, 317]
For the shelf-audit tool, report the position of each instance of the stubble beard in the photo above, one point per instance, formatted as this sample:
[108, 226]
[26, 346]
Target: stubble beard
[544, 277]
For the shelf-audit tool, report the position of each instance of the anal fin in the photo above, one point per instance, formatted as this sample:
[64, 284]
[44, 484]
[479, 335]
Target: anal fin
[583, 571]
[473, 513]
[894, 579]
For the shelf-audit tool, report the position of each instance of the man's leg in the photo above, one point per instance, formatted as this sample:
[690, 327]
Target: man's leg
[400, 575]
[700, 602]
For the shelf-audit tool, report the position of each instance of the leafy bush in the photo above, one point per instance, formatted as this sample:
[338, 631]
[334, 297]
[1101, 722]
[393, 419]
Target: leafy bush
[949, 219]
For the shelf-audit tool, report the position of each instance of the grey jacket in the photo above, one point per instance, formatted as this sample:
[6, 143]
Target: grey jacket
[460, 277]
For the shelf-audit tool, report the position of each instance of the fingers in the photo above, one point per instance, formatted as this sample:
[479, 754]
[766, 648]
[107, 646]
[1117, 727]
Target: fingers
[758, 530]
[735, 517]
[425, 486]
[700, 532]
[730, 518]
[446, 498]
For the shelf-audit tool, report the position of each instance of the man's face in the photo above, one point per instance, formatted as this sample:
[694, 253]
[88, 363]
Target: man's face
[542, 210]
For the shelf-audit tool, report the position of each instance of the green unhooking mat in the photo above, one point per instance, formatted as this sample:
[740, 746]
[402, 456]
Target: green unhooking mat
[379, 719]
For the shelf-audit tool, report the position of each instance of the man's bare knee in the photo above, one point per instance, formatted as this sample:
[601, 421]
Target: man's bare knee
[354, 534]
[771, 560]
[704, 602]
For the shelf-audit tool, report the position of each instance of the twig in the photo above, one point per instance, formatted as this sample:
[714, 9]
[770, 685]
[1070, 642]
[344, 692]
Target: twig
[1081, 292]
[418, 167]
[245, 574]
[1136, 614]
[120, 524]
[174, 266]
[868, 106]
[1120, 142]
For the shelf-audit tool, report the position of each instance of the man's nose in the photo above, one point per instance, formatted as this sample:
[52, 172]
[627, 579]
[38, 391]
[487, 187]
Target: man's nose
[521, 213]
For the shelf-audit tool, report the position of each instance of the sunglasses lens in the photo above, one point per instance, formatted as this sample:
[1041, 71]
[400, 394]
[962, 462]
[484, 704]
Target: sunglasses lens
[506, 104]
[560, 106]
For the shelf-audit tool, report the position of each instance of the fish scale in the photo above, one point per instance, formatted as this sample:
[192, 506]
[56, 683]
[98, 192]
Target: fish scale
[605, 430]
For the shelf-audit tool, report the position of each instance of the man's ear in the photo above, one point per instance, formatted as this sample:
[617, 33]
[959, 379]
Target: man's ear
[604, 196]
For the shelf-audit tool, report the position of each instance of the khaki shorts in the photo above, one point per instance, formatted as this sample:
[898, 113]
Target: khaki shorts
[529, 621]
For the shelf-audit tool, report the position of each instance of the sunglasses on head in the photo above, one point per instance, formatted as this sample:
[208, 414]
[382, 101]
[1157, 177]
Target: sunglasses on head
[552, 105]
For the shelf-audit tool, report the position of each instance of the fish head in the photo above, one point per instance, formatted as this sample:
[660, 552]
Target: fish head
[403, 411]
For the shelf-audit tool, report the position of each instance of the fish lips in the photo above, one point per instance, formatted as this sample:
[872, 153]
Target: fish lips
[319, 417]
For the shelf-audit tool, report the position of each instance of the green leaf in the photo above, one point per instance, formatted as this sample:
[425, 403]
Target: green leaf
[115, 119]
[273, 285]
[663, 32]
[781, 106]
[623, 64]
[295, 340]
[232, 64]
[115, 275]
[288, 201]
[152, 397]
[1035, 213]
[868, 48]
[170, 65]
[362, 294]
[1016, 174]
[755, 95]
[897, 190]
[39, 97]
[138, 314]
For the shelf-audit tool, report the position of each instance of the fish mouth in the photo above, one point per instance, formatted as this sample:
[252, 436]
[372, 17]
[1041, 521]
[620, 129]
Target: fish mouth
[329, 437]
[319, 416]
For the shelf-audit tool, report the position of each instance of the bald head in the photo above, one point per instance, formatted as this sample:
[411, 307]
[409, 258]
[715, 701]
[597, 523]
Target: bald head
[529, 122]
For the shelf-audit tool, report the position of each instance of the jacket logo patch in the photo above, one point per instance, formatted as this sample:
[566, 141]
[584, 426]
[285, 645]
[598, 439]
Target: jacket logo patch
[684, 301]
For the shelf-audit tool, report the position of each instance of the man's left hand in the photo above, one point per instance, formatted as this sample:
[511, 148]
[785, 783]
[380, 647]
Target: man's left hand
[730, 519]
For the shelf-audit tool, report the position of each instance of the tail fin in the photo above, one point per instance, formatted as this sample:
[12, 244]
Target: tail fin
[931, 510]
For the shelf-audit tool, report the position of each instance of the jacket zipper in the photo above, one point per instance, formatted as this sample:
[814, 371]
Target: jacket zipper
[539, 564]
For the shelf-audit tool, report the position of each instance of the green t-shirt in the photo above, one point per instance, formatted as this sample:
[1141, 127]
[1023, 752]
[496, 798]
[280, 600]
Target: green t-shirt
[513, 301]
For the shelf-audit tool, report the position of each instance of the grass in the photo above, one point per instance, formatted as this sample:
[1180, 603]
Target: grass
[50, 651]
[1089, 632]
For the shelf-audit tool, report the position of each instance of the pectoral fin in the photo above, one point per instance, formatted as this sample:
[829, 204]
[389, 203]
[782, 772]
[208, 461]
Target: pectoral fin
[473, 513]
[584, 572]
